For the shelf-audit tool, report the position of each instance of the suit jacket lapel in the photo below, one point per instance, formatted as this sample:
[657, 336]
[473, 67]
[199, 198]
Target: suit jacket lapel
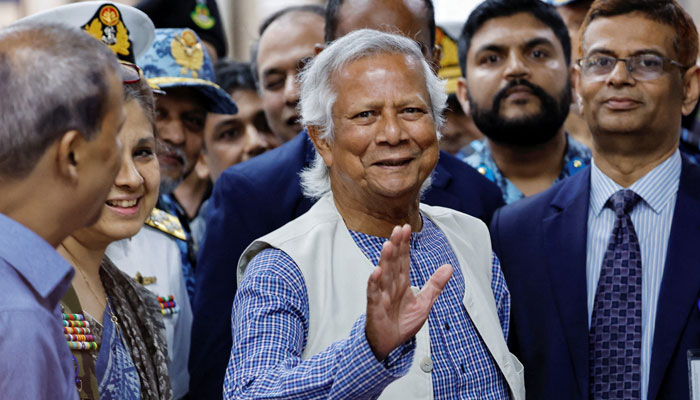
[565, 235]
[680, 287]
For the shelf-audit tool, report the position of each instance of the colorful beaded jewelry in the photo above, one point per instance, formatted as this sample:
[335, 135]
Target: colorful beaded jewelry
[77, 332]
[167, 305]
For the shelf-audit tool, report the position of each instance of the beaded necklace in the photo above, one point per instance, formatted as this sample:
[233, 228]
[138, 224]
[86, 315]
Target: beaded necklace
[77, 332]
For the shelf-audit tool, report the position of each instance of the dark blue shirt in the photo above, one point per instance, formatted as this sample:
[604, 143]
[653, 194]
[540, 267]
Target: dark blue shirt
[35, 362]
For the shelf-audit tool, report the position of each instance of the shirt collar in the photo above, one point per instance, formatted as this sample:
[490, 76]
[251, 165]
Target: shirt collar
[656, 188]
[35, 260]
[371, 245]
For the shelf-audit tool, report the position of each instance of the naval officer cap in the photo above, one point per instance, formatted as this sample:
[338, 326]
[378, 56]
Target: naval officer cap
[178, 59]
[126, 30]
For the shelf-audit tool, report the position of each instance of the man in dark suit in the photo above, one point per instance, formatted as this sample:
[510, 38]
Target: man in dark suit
[258, 196]
[603, 267]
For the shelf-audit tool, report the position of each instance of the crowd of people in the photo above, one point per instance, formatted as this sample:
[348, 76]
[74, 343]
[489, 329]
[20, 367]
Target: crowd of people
[367, 208]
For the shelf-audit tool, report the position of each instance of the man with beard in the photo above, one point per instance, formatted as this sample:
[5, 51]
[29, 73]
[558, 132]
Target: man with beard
[603, 267]
[515, 58]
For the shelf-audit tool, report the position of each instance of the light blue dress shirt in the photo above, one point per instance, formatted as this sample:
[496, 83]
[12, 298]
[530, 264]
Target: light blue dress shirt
[652, 219]
[35, 362]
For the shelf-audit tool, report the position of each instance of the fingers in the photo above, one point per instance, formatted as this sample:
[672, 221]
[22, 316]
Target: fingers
[404, 250]
[432, 289]
[395, 260]
[373, 286]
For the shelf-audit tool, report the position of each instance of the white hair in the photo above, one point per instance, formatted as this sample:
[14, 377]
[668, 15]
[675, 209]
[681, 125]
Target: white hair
[317, 96]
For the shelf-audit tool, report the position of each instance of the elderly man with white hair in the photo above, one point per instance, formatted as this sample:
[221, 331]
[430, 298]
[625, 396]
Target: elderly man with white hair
[327, 306]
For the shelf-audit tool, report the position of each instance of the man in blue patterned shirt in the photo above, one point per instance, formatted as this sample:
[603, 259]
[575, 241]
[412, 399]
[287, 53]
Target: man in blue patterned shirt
[515, 58]
[327, 307]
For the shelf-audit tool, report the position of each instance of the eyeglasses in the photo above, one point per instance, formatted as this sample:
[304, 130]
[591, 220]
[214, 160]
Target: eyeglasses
[642, 67]
[130, 73]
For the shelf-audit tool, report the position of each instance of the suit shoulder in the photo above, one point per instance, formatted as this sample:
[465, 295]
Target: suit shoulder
[284, 160]
[463, 172]
[527, 213]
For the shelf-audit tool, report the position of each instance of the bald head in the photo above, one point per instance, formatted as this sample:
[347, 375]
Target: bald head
[410, 18]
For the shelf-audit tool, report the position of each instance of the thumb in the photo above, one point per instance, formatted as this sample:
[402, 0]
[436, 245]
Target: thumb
[432, 289]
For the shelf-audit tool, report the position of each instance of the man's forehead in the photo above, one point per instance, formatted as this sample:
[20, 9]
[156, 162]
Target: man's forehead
[513, 30]
[376, 62]
[287, 36]
[628, 34]
[405, 71]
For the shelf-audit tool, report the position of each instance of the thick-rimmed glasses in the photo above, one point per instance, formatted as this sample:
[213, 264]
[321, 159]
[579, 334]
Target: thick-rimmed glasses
[642, 67]
[130, 73]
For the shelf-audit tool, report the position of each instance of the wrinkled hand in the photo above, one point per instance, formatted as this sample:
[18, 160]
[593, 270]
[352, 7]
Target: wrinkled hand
[394, 313]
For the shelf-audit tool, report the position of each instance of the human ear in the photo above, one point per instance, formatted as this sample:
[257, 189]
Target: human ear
[691, 89]
[322, 145]
[67, 154]
[462, 95]
[437, 56]
[576, 83]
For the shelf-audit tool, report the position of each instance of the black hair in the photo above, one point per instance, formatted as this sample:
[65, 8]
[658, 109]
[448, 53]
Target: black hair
[232, 75]
[491, 9]
[308, 8]
[333, 13]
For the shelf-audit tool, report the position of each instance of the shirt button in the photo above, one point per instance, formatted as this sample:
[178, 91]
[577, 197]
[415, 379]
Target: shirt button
[415, 290]
[426, 365]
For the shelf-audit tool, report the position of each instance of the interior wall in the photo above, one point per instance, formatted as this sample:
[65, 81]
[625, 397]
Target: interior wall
[243, 17]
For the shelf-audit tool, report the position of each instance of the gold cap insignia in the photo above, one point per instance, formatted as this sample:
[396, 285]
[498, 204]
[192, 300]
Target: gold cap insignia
[202, 16]
[107, 26]
[187, 52]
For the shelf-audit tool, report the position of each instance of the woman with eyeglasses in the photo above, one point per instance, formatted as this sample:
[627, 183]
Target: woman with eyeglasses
[112, 324]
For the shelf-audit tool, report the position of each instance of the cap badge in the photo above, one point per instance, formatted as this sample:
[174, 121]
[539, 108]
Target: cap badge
[107, 26]
[201, 15]
[188, 52]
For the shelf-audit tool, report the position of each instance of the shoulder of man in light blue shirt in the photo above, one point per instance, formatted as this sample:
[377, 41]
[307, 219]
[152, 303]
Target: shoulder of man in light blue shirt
[35, 362]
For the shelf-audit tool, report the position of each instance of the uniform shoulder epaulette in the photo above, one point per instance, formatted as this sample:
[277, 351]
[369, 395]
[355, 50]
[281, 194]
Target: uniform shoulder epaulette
[167, 223]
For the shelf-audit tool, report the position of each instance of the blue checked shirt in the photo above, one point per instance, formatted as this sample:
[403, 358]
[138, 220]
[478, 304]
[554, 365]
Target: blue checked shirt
[652, 219]
[270, 326]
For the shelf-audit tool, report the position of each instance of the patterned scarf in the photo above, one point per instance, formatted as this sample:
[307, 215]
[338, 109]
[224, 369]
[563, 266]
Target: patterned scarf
[142, 327]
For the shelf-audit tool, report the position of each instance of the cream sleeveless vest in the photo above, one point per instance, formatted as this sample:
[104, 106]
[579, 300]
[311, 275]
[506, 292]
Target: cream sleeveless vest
[335, 272]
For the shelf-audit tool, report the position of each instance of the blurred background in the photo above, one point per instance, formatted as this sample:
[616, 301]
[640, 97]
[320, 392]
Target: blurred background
[242, 17]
